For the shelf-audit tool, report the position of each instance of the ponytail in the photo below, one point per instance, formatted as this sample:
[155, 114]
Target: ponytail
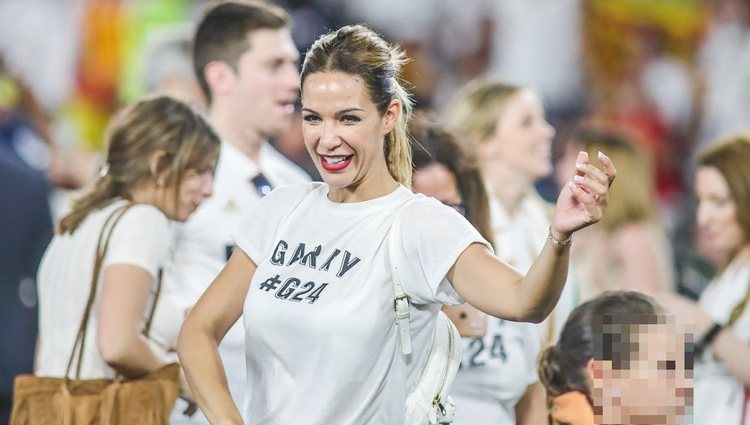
[557, 377]
[103, 193]
[398, 153]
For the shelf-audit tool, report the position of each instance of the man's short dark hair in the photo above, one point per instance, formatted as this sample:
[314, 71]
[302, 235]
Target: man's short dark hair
[223, 33]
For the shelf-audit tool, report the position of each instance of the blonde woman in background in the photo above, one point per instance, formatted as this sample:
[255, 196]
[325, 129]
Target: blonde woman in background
[628, 249]
[505, 128]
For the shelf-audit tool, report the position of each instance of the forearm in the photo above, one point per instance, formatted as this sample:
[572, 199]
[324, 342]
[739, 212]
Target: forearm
[199, 355]
[531, 409]
[734, 353]
[538, 292]
[134, 358]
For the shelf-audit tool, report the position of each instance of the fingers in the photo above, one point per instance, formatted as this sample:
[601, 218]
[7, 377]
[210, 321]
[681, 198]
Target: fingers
[591, 179]
[609, 168]
[190, 409]
[591, 186]
[583, 157]
[591, 203]
[581, 195]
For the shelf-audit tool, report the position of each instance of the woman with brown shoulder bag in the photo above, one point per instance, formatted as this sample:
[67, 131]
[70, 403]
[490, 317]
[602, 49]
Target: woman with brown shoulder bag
[105, 326]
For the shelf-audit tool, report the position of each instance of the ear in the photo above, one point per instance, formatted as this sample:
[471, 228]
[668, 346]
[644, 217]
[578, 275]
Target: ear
[591, 370]
[597, 370]
[391, 116]
[219, 76]
[155, 163]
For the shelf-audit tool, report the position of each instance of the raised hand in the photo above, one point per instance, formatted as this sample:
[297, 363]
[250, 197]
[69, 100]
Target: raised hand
[583, 200]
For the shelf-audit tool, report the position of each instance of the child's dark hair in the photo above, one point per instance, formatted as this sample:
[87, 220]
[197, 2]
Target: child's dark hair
[604, 328]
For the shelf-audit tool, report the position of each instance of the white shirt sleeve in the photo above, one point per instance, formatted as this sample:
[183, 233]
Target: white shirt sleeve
[141, 238]
[256, 233]
[432, 238]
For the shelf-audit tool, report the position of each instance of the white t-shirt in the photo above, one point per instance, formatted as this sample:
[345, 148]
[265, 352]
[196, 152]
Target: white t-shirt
[141, 238]
[204, 242]
[319, 320]
[718, 393]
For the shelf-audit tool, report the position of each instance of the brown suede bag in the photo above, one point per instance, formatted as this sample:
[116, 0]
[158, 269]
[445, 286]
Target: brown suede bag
[149, 400]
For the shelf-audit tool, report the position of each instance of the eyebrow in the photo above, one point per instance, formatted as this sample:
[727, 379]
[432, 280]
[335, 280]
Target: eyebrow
[337, 114]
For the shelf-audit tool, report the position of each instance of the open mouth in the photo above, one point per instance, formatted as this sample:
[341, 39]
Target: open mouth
[335, 162]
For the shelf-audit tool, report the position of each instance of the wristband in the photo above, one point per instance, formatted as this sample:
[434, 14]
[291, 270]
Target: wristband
[708, 338]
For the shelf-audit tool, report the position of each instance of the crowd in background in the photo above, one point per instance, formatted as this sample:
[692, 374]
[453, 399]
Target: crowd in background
[668, 78]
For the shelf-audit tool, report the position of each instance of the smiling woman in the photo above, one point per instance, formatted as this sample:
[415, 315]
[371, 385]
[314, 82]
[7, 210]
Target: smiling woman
[342, 129]
[316, 256]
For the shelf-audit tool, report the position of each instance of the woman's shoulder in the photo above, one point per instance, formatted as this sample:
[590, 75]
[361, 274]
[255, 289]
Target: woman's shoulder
[143, 215]
[419, 212]
[417, 205]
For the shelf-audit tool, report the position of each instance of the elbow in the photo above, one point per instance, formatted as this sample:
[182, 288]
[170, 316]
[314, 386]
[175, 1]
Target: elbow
[184, 339]
[535, 318]
[534, 315]
[116, 351]
[182, 345]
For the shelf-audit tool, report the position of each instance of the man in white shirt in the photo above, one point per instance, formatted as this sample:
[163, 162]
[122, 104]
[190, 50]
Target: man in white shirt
[246, 64]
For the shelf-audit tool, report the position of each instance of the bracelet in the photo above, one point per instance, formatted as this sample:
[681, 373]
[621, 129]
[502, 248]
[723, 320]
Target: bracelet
[711, 335]
[557, 242]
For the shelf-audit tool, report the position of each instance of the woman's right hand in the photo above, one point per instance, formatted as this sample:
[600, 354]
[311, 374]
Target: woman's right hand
[187, 395]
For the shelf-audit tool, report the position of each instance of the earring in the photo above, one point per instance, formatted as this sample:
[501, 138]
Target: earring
[160, 181]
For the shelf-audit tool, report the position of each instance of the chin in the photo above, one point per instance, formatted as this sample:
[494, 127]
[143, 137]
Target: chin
[336, 182]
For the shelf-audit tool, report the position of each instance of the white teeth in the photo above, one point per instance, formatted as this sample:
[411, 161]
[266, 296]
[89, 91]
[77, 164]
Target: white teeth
[334, 159]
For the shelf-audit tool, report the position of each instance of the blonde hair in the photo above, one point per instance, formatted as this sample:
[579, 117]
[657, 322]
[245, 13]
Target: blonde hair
[134, 135]
[357, 50]
[474, 112]
[632, 197]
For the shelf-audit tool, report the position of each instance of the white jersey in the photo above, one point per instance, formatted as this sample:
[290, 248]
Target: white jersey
[719, 394]
[319, 320]
[141, 238]
[203, 245]
[497, 368]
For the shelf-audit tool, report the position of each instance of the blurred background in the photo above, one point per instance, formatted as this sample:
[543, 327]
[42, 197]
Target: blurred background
[671, 74]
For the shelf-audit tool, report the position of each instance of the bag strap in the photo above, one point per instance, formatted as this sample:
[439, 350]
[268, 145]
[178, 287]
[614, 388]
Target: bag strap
[101, 250]
[147, 326]
[401, 303]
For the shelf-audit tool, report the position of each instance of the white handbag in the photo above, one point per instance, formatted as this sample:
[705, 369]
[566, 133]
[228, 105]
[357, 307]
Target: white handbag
[429, 403]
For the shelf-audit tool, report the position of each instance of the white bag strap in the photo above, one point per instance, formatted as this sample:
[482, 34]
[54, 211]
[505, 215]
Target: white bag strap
[401, 303]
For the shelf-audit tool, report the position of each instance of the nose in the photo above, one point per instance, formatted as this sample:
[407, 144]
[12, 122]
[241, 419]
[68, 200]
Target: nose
[702, 215]
[549, 131]
[207, 189]
[329, 139]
